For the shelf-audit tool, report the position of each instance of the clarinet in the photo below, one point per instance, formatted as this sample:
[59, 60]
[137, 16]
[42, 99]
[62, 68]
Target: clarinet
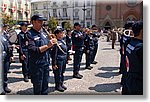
[51, 36]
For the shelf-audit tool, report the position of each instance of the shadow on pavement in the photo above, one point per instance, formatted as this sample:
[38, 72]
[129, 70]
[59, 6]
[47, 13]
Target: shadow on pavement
[52, 81]
[108, 68]
[15, 66]
[116, 44]
[107, 48]
[14, 79]
[108, 87]
[80, 64]
[107, 74]
[71, 68]
[17, 72]
[29, 91]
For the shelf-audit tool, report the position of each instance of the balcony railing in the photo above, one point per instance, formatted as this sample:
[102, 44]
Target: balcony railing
[76, 17]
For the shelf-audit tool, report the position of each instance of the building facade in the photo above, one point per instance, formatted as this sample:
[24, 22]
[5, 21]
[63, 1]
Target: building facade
[66, 10]
[104, 13]
[19, 10]
[115, 14]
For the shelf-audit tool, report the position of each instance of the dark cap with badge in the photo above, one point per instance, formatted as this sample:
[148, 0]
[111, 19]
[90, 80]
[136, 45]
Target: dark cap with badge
[38, 17]
[57, 31]
[76, 24]
[136, 27]
[23, 24]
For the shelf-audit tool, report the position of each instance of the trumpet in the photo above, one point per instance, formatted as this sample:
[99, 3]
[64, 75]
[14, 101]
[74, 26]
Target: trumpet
[50, 36]
[128, 33]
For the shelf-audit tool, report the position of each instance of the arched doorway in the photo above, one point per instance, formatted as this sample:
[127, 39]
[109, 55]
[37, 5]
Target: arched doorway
[107, 26]
[131, 18]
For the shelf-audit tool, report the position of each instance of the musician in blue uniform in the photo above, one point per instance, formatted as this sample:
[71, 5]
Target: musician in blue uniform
[78, 47]
[59, 59]
[6, 58]
[96, 35]
[134, 61]
[10, 55]
[23, 50]
[89, 47]
[69, 44]
[124, 41]
[38, 48]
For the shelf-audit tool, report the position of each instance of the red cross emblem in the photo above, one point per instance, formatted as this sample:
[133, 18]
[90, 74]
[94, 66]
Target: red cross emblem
[3, 7]
[13, 9]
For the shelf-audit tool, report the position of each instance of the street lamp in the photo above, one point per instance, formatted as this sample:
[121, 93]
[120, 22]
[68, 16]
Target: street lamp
[48, 12]
[84, 9]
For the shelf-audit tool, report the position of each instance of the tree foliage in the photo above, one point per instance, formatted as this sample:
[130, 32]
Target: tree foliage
[7, 19]
[53, 23]
[67, 25]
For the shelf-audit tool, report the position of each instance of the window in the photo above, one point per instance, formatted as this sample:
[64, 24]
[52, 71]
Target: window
[54, 12]
[36, 6]
[108, 7]
[131, 2]
[76, 13]
[54, 3]
[88, 24]
[64, 2]
[76, 3]
[88, 3]
[45, 6]
[45, 14]
[88, 13]
[65, 12]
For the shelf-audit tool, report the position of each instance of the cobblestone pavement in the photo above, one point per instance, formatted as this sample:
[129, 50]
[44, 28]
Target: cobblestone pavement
[103, 79]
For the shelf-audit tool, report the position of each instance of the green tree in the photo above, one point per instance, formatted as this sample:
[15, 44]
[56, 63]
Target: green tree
[7, 19]
[67, 25]
[52, 23]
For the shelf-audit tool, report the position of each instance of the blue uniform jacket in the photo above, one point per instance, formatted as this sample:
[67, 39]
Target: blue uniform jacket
[5, 47]
[78, 38]
[57, 54]
[36, 40]
[23, 42]
[135, 58]
[89, 43]
[96, 35]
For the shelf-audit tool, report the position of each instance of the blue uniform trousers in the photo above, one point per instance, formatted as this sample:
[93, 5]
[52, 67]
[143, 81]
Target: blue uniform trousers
[58, 73]
[25, 65]
[6, 66]
[40, 80]
[89, 58]
[77, 59]
[94, 51]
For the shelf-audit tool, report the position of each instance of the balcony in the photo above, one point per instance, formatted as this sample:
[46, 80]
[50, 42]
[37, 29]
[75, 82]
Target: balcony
[76, 17]
[88, 18]
[65, 18]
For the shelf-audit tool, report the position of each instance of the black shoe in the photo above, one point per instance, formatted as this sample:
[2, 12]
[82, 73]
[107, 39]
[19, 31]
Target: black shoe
[7, 90]
[63, 86]
[89, 67]
[69, 58]
[78, 76]
[3, 93]
[29, 76]
[9, 71]
[59, 88]
[26, 79]
[94, 62]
